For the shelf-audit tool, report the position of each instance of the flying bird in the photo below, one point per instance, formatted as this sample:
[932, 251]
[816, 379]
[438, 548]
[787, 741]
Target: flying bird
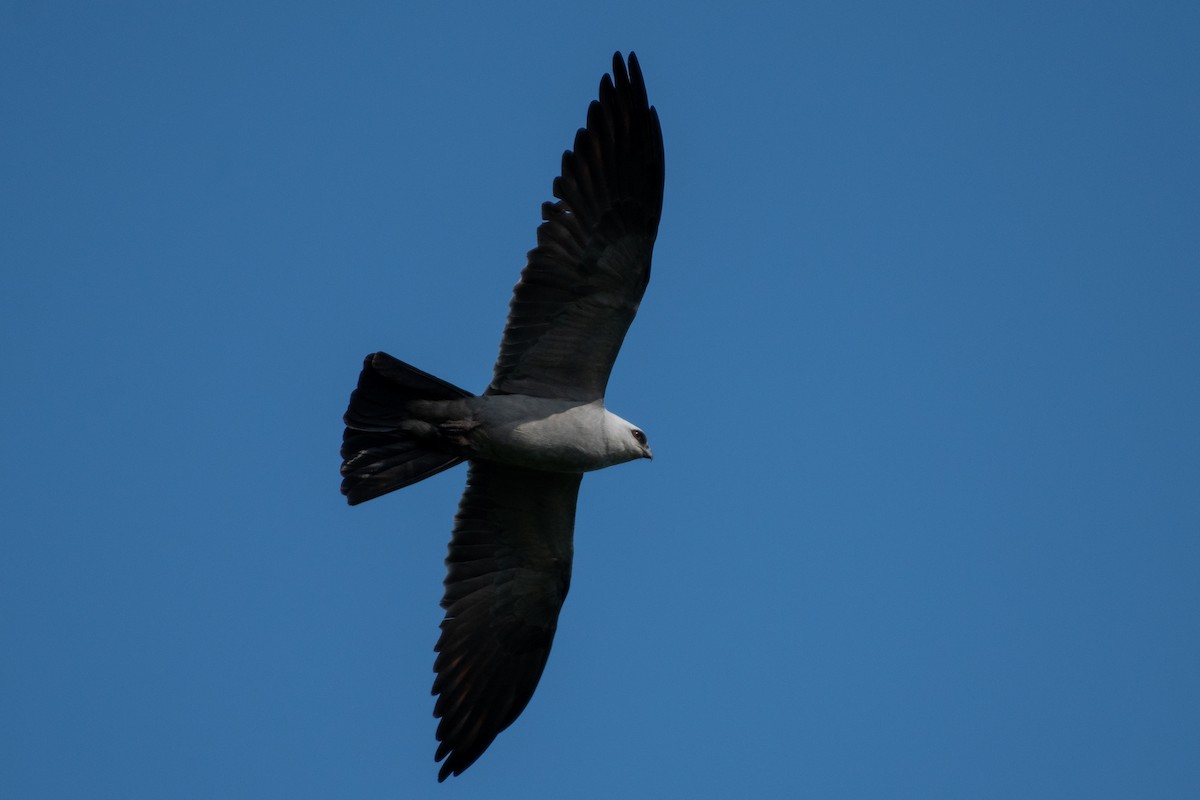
[540, 424]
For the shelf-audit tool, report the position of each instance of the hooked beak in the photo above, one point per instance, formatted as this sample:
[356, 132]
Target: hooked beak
[648, 454]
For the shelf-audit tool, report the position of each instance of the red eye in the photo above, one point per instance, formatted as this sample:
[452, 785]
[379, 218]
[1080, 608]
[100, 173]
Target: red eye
[639, 436]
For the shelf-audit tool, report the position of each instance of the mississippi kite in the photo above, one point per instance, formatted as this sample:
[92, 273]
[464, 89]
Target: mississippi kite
[537, 428]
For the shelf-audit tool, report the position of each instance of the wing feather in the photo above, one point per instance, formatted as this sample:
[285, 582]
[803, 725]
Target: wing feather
[582, 284]
[508, 572]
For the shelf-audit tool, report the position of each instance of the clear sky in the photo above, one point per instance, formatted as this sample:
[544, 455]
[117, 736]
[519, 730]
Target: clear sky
[919, 361]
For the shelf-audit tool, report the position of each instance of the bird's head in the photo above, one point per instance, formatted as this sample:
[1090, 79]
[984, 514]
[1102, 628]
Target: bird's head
[639, 440]
[626, 441]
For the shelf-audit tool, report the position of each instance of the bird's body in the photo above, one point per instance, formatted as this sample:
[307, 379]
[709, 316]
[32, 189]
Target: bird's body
[554, 435]
[537, 428]
[533, 432]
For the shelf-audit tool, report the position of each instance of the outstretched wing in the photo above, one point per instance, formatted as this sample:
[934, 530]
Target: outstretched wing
[583, 282]
[509, 568]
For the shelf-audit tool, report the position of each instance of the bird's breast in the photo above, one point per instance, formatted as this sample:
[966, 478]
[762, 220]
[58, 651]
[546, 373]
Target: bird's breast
[542, 433]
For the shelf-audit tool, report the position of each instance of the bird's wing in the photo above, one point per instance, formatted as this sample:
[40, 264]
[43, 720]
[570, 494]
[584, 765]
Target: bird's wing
[583, 282]
[508, 570]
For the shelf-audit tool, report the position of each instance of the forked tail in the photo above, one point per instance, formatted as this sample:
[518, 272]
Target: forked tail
[378, 454]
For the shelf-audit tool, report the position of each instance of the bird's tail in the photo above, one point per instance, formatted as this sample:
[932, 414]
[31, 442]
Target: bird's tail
[379, 452]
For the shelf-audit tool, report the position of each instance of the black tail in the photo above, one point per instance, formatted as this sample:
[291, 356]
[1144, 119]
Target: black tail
[378, 456]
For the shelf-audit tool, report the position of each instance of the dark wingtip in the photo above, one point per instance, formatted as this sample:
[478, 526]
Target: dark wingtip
[626, 70]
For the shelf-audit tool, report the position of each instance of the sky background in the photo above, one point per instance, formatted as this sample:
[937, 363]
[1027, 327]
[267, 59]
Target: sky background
[919, 361]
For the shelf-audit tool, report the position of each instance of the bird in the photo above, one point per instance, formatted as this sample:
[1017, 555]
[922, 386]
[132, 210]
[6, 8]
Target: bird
[539, 425]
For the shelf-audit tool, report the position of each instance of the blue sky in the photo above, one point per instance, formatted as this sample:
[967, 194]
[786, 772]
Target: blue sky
[918, 361]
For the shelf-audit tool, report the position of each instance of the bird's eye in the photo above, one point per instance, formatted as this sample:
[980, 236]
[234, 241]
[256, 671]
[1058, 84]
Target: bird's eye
[639, 436]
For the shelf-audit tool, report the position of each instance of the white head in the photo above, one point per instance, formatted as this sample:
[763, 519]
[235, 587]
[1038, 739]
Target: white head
[626, 441]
